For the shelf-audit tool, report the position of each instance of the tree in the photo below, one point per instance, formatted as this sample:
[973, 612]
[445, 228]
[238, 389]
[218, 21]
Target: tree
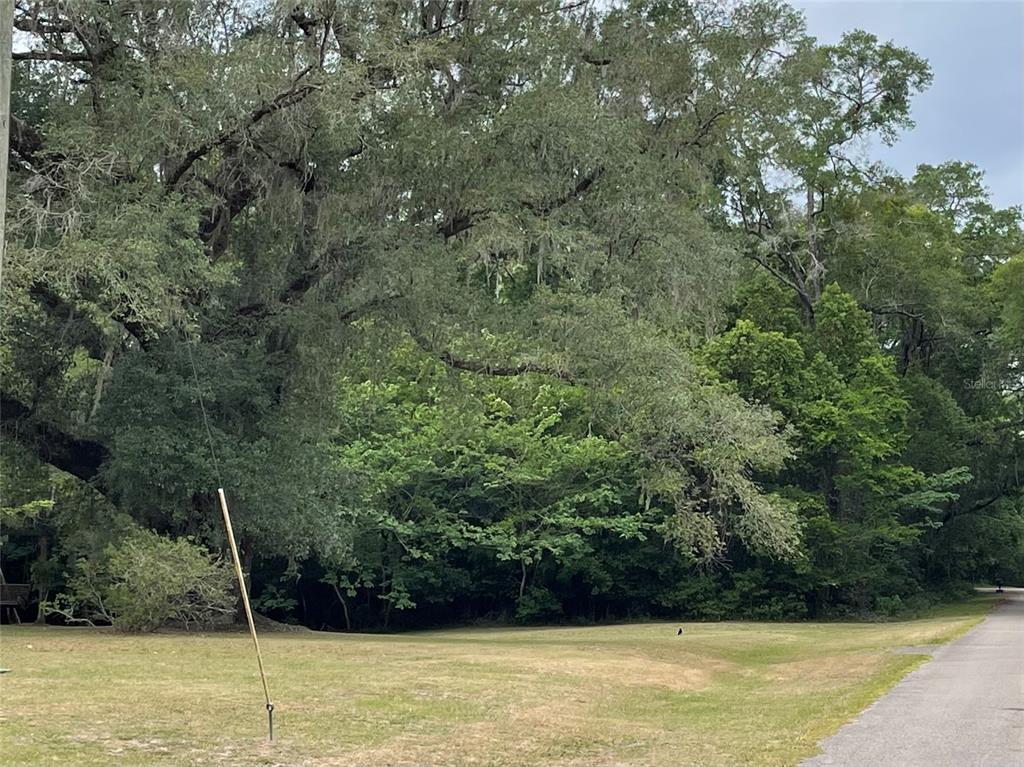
[656, 209]
[174, 173]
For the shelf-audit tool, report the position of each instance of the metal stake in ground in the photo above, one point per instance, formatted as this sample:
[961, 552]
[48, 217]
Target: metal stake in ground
[245, 604]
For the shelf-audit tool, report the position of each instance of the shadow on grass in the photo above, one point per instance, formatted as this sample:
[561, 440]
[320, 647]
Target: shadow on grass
[976, 605]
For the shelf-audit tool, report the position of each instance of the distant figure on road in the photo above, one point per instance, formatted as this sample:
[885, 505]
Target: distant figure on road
[999, 587]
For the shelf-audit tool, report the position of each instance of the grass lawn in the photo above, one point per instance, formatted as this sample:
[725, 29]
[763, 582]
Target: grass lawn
[721, 694]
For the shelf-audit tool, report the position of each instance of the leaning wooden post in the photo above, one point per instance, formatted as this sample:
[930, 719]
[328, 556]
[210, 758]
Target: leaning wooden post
[245, 604]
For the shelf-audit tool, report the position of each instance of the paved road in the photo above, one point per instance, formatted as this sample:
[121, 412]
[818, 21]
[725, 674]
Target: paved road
[963, 708]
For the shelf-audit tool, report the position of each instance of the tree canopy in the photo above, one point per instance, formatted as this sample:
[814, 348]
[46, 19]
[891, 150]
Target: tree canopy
[537, 309]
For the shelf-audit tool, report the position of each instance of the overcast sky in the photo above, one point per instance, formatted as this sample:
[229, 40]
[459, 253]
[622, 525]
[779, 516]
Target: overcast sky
[974, 109]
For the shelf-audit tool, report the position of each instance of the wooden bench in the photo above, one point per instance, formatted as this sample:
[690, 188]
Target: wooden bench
[14, 596]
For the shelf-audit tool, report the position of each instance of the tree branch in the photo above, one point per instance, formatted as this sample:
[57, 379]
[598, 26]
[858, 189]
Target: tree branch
[29, 20]
[81, 458]
[801, 293]
[48, 56]
[283, 100]
[504, 370]
[581, 187]
[26, 141]
[460, 222]
[894, 310]
[979, 506]
[705, 128]
[53, 303]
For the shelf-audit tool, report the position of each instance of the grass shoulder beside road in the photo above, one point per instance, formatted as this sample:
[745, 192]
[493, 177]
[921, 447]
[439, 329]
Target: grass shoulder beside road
[720, 694]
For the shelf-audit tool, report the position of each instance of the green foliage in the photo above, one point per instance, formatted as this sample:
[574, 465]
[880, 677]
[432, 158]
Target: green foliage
[494, 311]
[1008, 283]
[16, 515]
[147, 581]
[766, 366]
[538, 604]
[489, 469]
[863, 509]
[890, 606]
[274, 599]
[843, 330]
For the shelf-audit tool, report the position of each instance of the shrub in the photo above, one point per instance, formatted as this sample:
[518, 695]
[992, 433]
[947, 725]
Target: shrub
[538, 604]
[146, 581]
[274, 599]
[889, 606]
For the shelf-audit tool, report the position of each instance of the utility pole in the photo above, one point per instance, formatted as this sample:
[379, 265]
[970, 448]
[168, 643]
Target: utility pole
[6, 50]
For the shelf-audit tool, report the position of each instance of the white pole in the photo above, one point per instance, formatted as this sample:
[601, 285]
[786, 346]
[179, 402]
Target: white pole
[6, 49]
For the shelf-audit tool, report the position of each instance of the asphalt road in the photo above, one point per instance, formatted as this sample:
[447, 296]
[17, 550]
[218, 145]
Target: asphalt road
[963, 708]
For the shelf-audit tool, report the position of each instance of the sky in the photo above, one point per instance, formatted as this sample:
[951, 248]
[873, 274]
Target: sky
[974, 109]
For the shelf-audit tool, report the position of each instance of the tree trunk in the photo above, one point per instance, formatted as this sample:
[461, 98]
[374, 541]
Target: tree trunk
[246, 553]
[101, 379]
[821, 598]
[44, 589]
[344, 607]
[816, 270]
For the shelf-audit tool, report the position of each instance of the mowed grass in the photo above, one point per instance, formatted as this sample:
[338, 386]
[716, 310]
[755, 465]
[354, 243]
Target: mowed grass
[721, 694]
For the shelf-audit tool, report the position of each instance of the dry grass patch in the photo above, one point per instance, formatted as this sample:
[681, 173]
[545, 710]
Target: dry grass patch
[721, 694]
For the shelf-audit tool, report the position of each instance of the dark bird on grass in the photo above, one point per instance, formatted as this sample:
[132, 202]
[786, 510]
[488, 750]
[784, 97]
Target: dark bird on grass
[679, 633]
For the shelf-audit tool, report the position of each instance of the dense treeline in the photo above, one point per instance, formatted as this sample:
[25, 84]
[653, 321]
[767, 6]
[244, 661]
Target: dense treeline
[522, 311]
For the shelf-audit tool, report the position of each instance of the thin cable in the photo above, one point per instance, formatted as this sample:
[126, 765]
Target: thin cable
[236, 560]
[202, 408]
